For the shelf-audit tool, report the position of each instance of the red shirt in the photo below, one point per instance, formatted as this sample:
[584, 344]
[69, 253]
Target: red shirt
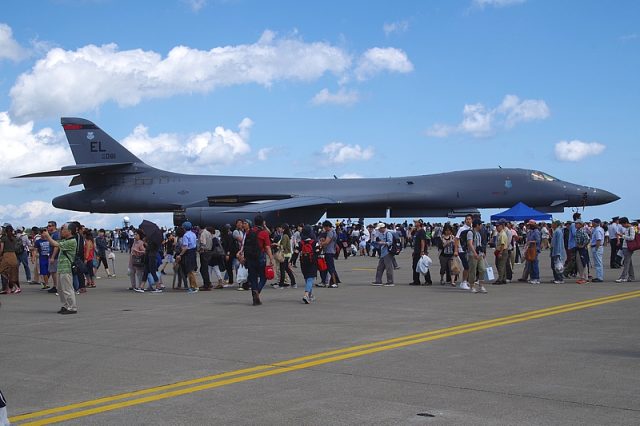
[264, 240]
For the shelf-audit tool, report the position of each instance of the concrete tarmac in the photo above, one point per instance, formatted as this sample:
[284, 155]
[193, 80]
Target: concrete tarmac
[574, 364]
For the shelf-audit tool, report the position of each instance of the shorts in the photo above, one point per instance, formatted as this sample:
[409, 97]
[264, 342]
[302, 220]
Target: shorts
[465, 262]
[53, 266]
[44, 265]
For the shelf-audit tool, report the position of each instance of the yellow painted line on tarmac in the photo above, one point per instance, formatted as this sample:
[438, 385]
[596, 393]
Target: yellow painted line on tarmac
[295, 364]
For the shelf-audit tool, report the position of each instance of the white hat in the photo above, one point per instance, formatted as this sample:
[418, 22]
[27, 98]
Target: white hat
[381, 225]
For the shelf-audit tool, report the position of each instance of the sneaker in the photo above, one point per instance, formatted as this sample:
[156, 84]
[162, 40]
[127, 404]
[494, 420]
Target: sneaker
[240, 288]
[322, 285]
[62, 309]
[333, 285]
[68, 312]
[294, 286]
[52, 290]
[621, 280]
[98, 278]
[306, 300]
[44, 286]
[597, 280]
[464, 285]
[192, 290]
[157, 290]
[483, 290]
[275, 285]
[138, 290]
[390, 285]
[17, 290]
[78, 292]
[558, 282]
[474, 290]
[376, 284]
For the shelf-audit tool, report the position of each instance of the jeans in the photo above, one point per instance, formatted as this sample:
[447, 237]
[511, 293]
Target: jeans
[534, 268]
[257, 277]
[597, 261]
[24, 259]
[308, 285]
[557, 276]
[331, 268]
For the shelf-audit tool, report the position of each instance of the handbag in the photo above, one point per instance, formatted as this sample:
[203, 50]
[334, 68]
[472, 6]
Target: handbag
[322, 263]
[634, 244]
[269, 273]
[279, 256]
[218, 250]
[137, 260]
[532, 252]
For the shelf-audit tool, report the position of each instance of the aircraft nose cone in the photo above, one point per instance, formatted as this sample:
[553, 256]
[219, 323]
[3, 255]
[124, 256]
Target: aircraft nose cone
[600, 196]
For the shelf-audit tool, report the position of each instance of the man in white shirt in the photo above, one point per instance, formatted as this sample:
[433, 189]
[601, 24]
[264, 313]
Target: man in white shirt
[597, 250]
[459, 250]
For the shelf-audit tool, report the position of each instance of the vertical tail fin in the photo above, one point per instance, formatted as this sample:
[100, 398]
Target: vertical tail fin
[91, 145]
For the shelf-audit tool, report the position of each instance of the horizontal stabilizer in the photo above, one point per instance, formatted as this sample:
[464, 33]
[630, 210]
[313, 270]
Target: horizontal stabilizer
[80, 169]
[289, 203]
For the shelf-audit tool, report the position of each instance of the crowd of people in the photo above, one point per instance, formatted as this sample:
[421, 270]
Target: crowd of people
[66, 261]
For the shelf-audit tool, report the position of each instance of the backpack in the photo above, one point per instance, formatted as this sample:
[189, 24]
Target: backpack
[251, 248]
[463, 239]
[307, 252]
[19, 246]
[396, 245]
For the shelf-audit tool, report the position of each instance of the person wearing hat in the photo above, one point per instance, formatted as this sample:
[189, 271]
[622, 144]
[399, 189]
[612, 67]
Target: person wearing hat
[597, 250]
[501, 252]
[384, 242]
[558, 253]
[533, 245]
[615, 229]
[187, 258]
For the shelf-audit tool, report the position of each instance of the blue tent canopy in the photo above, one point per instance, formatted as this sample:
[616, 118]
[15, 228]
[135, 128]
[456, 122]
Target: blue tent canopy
[520, 212]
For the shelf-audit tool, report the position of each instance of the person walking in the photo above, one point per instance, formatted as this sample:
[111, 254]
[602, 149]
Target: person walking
[187, 257]
[420, 248]
[257, 254]
[308, 255]
[475, 257]
[532, 248]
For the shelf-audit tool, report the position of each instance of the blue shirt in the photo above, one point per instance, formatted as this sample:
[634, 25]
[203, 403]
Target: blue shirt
[385, 242]
[597, 234]
[189, 240]
[43, 247]
[572, 236]
[557, 244]
[534, 235]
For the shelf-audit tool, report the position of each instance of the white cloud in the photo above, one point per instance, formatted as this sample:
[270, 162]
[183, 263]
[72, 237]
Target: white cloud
[342, 97]
[66, 82]
[496, 3]
[263, 153]
[195, 5]
[197, 152]
[378, 59]
[576, 150]
[480, 121]
[25, 150]
[9, 48]
[395, 27]
[38, 213]
[337, 153]
[629, 37]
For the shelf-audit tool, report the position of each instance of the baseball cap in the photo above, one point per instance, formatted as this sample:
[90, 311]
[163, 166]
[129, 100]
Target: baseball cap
[598, 221]
[187, 226]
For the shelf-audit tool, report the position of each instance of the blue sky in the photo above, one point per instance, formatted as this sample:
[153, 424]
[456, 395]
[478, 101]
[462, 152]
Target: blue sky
[355, 89]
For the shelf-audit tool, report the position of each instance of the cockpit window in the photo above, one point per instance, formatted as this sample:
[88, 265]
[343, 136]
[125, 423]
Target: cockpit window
[542, 177]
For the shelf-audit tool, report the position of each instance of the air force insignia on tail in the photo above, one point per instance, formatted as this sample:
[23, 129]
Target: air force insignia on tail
[90, 135]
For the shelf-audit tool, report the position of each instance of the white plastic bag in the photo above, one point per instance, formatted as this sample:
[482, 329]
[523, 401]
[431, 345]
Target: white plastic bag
[243, 275]
[489, 274]
[424, 264]
[558, 266]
